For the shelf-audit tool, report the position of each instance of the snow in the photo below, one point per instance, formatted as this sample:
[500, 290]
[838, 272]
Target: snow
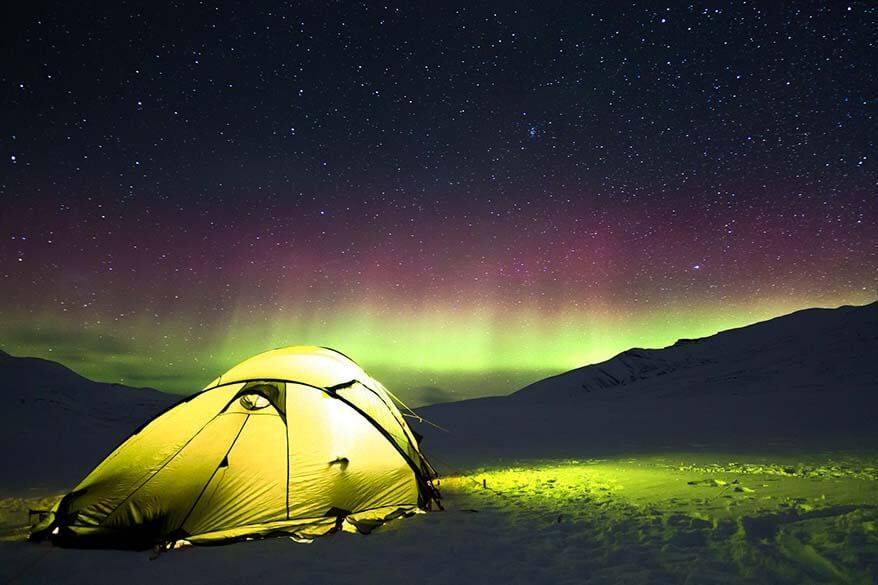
[746, 457]
[677, 518]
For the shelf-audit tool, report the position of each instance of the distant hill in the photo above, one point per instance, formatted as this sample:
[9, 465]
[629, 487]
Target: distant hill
[805, 379]
[810, 377]
[806, 349]
[55, 424]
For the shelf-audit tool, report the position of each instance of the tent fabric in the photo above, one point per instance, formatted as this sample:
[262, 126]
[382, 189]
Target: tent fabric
[298, 441]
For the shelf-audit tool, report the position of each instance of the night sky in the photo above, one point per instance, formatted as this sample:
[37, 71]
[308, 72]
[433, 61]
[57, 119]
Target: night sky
[463, 198]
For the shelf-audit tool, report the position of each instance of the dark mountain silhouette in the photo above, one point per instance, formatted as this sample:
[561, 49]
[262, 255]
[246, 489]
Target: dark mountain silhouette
[810, 377]
[809, 348]
[56, 423]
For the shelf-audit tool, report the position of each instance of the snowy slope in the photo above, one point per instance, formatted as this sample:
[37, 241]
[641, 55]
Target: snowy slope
[55, 424]
[807, 377]
[814, 347]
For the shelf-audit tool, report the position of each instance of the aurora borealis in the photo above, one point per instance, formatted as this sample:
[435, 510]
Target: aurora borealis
[464, 199]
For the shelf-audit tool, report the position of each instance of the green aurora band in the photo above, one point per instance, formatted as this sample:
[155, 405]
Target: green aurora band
[423, 356]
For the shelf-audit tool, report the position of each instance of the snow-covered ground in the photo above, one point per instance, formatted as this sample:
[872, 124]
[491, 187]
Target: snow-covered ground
[747, 457]
[676, 518]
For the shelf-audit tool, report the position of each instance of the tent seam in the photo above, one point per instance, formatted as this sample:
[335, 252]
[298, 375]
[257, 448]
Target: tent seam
[165, 464]
[420, 476]
[212, 475]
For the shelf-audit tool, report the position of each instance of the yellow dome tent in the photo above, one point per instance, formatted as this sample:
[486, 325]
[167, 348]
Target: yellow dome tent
[297, 441]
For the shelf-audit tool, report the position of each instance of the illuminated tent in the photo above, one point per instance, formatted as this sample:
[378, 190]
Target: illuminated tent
[297, 441]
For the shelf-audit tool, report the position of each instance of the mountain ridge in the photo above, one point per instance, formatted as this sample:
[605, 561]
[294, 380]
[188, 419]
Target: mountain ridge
[8, 360]
[807, 377]
[53, 414]
[637, 364]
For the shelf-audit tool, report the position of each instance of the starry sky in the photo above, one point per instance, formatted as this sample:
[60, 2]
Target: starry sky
[463, 197]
